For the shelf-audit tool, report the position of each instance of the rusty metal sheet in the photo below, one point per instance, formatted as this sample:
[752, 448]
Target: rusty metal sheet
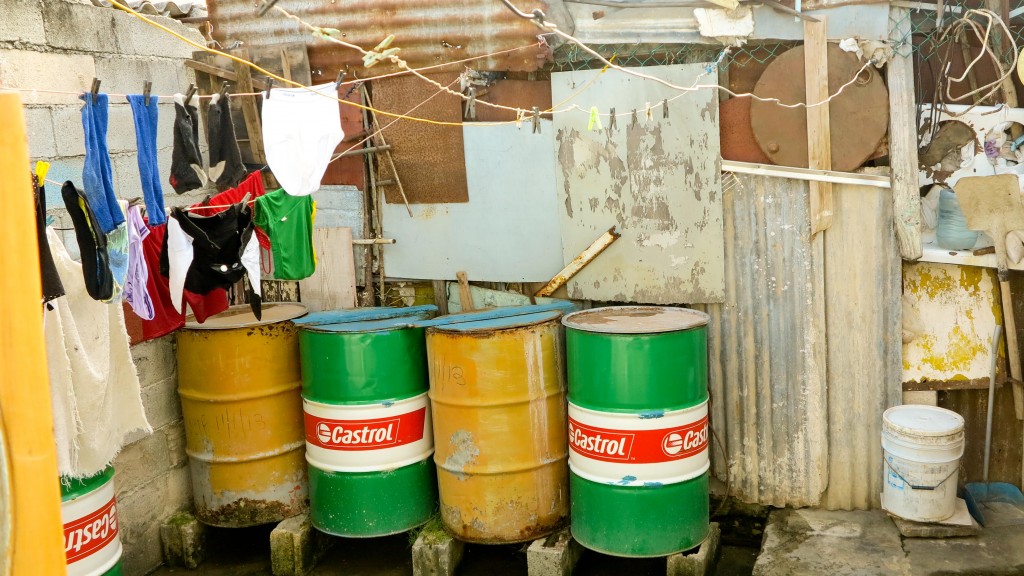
[349, 170]
[523, 94]
[658, 180]
[429, 158]
[859, 116]
[734, 129]
[766, 347]
[427, 31]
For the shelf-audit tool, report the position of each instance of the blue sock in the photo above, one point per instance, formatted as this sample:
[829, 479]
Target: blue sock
[97, 177]
[145, 139]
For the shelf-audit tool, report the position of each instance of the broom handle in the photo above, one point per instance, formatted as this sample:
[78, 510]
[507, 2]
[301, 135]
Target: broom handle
[991, 397]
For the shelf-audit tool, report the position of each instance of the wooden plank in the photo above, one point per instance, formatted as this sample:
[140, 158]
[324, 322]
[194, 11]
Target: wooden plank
[221, 73]
[333, 285]
[906, 196]
[441, 296]
[947, 385]
[465, 296]
[864, 366]
[253, 124]
[31, 535]
[819, 140]
[1006, 455]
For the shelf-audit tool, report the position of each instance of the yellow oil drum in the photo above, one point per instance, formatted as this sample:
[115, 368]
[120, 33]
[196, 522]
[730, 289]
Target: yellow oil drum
[497, 396]
[240, 387]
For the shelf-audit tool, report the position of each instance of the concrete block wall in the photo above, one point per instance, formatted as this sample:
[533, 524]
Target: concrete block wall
[60, 45]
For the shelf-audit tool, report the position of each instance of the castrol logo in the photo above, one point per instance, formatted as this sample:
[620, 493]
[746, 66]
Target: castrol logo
[373, 434]
[87, 535]
[639, 446]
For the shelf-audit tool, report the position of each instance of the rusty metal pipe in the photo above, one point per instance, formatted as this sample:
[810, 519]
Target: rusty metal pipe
[579, 262]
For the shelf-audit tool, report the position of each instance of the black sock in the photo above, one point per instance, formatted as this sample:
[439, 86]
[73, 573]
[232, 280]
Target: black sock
[226, 168]
[92, 243]
[186, 161]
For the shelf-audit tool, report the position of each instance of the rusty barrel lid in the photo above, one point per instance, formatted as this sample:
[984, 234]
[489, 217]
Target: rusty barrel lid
[499, 323]
[241, 316]
[635, 319]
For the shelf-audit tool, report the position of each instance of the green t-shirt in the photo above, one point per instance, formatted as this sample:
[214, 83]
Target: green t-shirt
[288, 222]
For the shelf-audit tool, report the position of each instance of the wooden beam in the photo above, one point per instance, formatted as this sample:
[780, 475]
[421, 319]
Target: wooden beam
[940, 385]
[465, 296]
[441, 296]
[253, 124]
[906, 195]
[31, 532]
[819, 138]
[223, 73]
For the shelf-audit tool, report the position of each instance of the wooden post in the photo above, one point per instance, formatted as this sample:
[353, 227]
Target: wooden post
[465, 296]
[32, 506]
[906, 195]
[253, 124]
[819, 138]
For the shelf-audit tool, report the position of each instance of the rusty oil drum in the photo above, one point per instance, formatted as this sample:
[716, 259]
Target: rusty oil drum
[497, 394]
[239, 382]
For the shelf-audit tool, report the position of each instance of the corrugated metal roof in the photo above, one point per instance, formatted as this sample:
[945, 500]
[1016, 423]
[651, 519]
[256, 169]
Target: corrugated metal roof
[428, 32]
[766, 346]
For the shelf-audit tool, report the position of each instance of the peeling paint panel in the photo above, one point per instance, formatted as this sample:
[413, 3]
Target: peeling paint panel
[658, 180]
[949, 313]
[766, 347]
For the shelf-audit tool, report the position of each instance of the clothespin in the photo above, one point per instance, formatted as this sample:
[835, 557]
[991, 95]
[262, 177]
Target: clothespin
[536, 120]
[270, 86]
[595, 120]
[224, 91]
[146, 87]
[611, 120]
[341, 78]
[42, 167]
[634, 118]
[95, 89]
[471, 104]
[650, 115]
[189, 93]
[519, 118]
[380, 52]
[664, 109]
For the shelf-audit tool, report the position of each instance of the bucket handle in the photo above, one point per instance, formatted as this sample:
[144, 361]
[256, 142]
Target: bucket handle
[915, 486]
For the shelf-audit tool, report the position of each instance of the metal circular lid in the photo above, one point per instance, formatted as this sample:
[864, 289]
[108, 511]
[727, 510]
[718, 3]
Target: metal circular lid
[241, 316]
[504, 322]
[635, 319]
[923, 420]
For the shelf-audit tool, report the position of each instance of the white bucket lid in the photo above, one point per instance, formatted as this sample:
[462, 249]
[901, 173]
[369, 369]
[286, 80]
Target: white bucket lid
[922, 420]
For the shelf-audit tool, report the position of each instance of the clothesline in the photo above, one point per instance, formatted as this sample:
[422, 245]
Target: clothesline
[185, 208]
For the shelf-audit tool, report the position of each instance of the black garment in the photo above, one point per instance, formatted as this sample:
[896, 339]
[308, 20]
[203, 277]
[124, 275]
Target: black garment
[52, 287]
[92, 243]
[186, 161]
[218, 242]
[226, 168]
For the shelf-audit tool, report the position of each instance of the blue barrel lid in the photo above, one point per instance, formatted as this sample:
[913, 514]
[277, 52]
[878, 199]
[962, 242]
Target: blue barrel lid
[364, 314]
[501, 317]
[383, 325]
[499, 323]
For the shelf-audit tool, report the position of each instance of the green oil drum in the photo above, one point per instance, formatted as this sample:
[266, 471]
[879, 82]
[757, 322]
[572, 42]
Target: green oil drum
[367, 424]
[638, 429]
[89, 513]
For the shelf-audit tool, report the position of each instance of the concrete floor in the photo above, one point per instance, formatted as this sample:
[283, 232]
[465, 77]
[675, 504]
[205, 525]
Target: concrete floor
[804, 542]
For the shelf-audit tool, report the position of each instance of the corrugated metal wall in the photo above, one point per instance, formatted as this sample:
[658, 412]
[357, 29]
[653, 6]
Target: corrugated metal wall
[766, 346]
[805, 352]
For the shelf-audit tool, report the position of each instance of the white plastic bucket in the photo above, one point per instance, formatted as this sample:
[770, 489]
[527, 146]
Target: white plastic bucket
[921, 448]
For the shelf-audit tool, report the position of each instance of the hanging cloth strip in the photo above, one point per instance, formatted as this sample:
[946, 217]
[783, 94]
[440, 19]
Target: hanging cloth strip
[146, 123]
[97, 177]
[52, 286]
[226, 168]
[186, 161]
[92, 243]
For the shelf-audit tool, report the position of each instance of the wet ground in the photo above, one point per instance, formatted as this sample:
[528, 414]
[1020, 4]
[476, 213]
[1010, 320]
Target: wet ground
[246, 552]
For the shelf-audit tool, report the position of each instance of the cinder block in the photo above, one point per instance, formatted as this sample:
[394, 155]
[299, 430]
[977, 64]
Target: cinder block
[155, 360]
[26, 69]
[295, 547]
[926, 397]
[911, 529]
[435, 552]
[68, 131]
[555, 555]
[125, 74]
[183, 540]
[137, 37]
[121, 127]
[141, 462]
[176, 455]
[127, 182]
[39, 125]
[143, 509]
[696, 563]
[22, 21]
[79, 27]
[163, 407]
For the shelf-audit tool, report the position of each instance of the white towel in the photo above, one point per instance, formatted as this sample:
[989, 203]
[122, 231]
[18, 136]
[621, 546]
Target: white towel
[94, 387]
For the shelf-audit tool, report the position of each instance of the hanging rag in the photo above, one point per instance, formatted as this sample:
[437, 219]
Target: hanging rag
[52, 286]
[252, 185]
[117, 255]
[97, 176]
[226, 168]
[92, 243]
[94, 387]
[136, 292]
[146, 123]
[206, 253]
[288, 221]
[186, 161]
[301, 130]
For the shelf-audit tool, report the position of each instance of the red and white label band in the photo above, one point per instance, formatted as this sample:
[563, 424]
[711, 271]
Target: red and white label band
[89, 534]
[639, 446]
[373, 434]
